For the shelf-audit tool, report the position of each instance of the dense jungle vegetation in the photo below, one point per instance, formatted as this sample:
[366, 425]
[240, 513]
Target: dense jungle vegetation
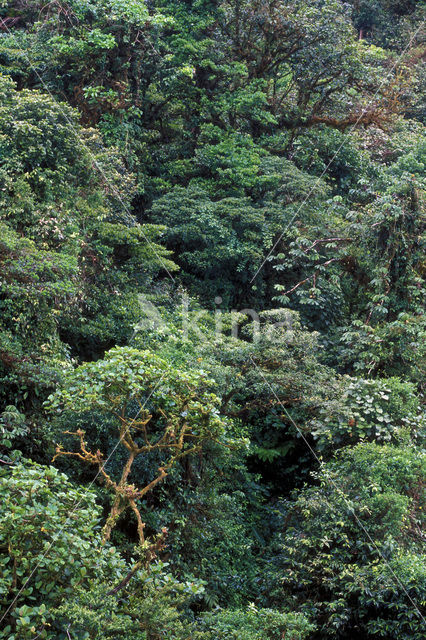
[212, 319]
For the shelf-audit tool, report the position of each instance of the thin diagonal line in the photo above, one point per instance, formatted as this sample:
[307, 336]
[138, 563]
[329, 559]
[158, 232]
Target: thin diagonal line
[318, 180]
[79, 502]
[89, 151]
[340, 491]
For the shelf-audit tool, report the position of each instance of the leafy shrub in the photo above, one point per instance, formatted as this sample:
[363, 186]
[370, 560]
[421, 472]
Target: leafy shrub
[152, 606]
[348, 553]
[49, 546]
[380, 410]
[256, 624]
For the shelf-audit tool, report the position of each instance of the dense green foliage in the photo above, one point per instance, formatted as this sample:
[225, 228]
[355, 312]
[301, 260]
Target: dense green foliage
[212, 319]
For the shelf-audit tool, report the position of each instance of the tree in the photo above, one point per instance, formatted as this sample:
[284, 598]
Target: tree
[71, 253]
[159, 412]
[348, 550]
[49, 546]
